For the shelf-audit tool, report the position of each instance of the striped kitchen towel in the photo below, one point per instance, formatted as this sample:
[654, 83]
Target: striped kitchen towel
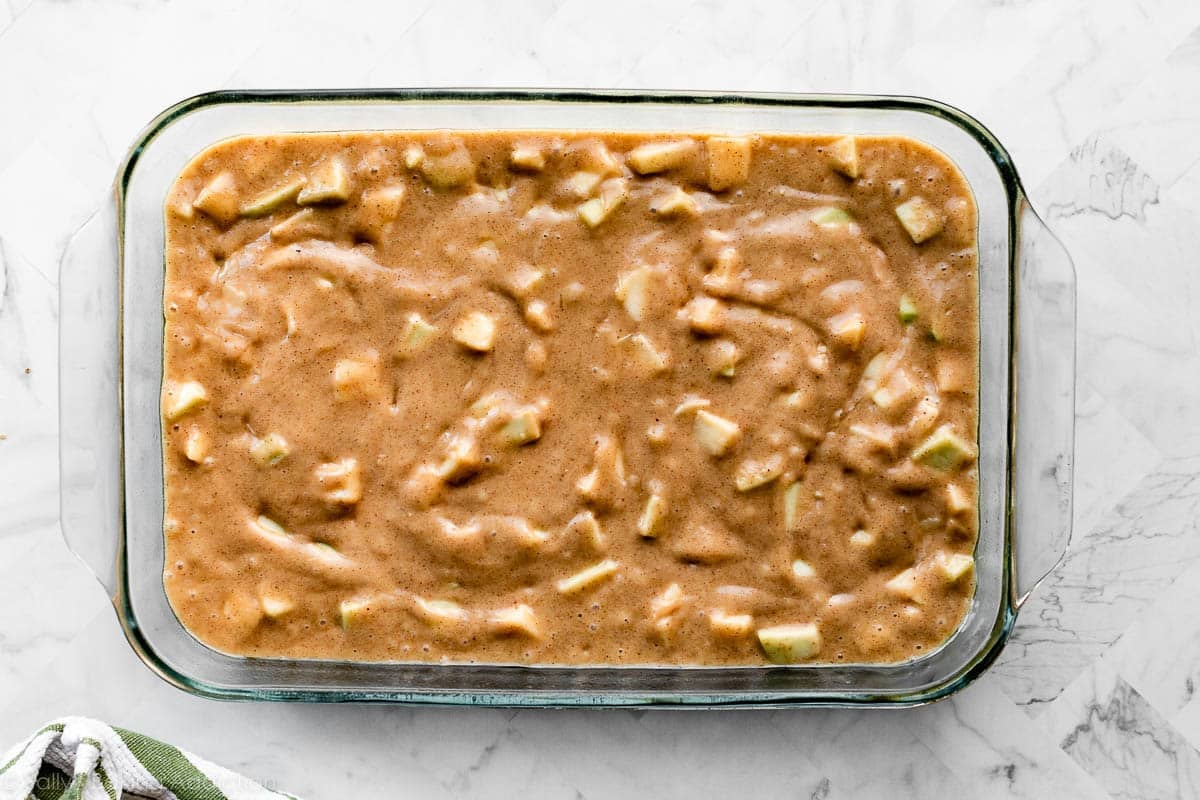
[81, 759]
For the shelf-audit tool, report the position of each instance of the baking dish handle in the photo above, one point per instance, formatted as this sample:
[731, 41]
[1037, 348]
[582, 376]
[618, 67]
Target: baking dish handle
[1044, 441]
[89, 404]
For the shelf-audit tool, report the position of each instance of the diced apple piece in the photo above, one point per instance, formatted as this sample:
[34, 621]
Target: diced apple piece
[705, 544]
[953, 566]
[219, 199]
[326, 554]
[715, 434]
[476, 331]
[596, 157]
[593, 212]
[653, 157]
[791, 507]
[908, 309]
[341, 481]
[723, 357]
[789, 644]
[524, 280]
[590, 486]
[613, 193]
[589, 577]
[274, 607]
[356, 378]
[848, 329]
[818, 362]
[904, 584]
[416, 335]
[712, 241]
[874, 368]
[381, 206]
[524, 427]
[587, 527]
[649, 524]
[424, 486]
[732, 625]
[183, 398]
[649, 357]
[330, 183]
[843, 156]
[955, 374]
[268, 527]
[831, 217]
[537, 314]
[517, 619]
[269, 450]
[414, 156]
[195, 447]
[607, 478]
[525, 533]
[322, 552]
[862, 539]
[797, 400]
[753, 473]
[676, 203]
[582, 184]
[925, 414]
[897, 389]
[487, 405]
[705, 315]
[664, 606]
[728, 161]
[438, 612]
[691, 402]
[304, 224]
[632, 290]
[486, 255]
[462, 460]
[957, 500]
[181, 208]
[879, 435]
[351, 612]
[273, 198]
[448, 171]
[908, 476]
[527, 156]
[801, 569]
[920, 218]
[725, 275]
[840, 292]
[536, 355]
[944, 450]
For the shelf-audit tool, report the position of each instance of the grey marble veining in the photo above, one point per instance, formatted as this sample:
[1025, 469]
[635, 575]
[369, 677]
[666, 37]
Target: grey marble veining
[1099, 105]
[1112, 731]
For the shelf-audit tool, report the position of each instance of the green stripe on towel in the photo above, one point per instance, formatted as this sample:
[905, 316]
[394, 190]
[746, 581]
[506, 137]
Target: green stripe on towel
[170, 767]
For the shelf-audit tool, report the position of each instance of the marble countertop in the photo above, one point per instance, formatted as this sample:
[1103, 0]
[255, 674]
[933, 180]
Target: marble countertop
[1099, 105]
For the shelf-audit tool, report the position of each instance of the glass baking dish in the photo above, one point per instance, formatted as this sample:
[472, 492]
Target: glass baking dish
[111, 372]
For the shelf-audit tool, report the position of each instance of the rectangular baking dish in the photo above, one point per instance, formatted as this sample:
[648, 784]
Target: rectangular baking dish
[111, 374]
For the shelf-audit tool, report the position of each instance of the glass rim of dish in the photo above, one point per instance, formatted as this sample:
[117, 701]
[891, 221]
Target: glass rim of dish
[1015, 203]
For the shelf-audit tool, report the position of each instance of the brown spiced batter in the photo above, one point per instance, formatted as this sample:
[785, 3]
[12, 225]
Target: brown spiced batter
[570, 397]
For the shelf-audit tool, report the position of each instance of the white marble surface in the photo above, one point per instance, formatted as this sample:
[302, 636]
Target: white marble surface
[1099, 104]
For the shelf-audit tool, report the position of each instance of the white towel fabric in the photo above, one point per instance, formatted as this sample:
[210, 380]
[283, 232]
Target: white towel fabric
[75, 758]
